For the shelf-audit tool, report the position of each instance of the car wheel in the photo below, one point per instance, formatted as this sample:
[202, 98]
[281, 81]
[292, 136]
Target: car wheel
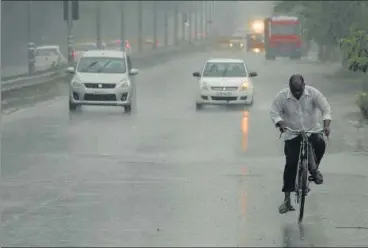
[72, 106]
[199, 106]
[128, 108]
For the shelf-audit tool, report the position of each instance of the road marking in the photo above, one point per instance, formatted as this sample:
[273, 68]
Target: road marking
[244, 127]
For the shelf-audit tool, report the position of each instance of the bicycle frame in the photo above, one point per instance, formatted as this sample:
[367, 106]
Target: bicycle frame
[303, 163]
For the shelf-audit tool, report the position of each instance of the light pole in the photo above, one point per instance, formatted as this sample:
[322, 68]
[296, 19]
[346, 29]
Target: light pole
[98, 25]
[30, 45]
[122, 26]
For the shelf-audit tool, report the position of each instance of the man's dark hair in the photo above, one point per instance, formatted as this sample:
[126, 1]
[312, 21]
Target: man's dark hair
[295, 77]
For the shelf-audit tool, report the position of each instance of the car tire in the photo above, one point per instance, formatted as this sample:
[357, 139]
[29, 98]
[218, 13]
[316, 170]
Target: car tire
[199, 106]
[72, 106]
[128, 108]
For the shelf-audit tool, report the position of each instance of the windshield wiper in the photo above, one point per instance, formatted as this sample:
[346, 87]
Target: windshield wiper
[90, 65]
[225, 71]
[104, 66]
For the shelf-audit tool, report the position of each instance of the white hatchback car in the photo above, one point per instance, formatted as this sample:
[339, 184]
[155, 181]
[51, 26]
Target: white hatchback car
[47, 57]
[102, 77]
[224, 81]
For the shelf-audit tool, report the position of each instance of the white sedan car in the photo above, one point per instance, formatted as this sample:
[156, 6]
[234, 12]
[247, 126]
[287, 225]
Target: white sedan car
[225, 81]
[102, 77]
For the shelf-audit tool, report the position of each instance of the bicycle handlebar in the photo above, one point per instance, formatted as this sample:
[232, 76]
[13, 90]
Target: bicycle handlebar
[300, 131]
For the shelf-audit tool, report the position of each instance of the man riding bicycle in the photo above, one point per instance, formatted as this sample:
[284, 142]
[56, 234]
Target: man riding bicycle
[297, 107]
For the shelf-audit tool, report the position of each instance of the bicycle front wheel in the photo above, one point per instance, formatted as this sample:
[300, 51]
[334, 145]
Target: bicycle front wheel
[304, 186]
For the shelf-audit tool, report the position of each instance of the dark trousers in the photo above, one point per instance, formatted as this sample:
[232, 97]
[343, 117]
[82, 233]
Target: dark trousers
[291, 150]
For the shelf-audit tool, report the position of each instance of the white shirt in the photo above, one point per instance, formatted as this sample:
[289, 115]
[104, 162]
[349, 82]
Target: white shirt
[300, 114]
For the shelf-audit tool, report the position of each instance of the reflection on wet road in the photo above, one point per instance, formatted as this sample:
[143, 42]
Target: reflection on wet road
[168, 175]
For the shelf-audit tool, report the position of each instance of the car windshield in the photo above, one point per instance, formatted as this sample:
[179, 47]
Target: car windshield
[84, 47]
[224, 69]
[46, 52]
[284, 29]
[101, 65]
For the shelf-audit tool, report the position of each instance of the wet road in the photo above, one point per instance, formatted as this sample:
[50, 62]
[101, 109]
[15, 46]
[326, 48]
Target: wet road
[167, 175]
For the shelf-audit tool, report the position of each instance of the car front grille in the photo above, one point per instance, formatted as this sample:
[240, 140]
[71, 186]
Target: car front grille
[103, 86]
[224, 98]
[224, 88]
[100, 97]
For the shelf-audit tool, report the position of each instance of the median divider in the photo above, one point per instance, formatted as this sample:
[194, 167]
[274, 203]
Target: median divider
[146, 58]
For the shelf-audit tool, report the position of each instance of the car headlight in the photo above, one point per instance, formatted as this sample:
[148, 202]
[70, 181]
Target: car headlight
[244, 86]
[124, 84]
[76, 84]
[204, 86]
[230, 45]
[241, 45]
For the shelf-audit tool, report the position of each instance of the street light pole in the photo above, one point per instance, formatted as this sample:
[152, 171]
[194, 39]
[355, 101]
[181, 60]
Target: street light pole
[98, 25]
[195, 22]
[166, 27]
[176, 26]
[31, 45]
[70, 33]
[154, 45]
[140, 27]
[122, 26]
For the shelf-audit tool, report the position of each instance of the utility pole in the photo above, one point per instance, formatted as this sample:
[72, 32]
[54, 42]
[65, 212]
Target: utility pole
[122, 26]
[190, 29]
[140, 27]
[195, 22]
[176, 17]
[70, 33]
[31, 45]
[98, 25]
[154, 45]
[201, 18]
[166, 27]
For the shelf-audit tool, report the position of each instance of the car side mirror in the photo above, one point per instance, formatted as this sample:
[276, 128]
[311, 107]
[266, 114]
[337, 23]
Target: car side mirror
[253, 74]
[70, 70]
[196, 74]
[133, 72]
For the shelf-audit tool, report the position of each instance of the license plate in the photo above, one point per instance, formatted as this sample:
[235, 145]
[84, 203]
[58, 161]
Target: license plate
[224, 93]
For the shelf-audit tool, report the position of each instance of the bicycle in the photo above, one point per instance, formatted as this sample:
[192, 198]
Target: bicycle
[302, 179]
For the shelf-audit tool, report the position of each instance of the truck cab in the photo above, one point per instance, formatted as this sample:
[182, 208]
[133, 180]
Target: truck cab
[283, 37]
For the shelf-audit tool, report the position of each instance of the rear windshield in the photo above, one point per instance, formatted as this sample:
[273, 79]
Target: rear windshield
[46, 52]
[285, 29]
[84, 47]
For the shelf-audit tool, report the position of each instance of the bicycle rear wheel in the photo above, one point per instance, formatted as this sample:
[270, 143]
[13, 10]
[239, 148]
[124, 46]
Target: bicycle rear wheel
[304, 188]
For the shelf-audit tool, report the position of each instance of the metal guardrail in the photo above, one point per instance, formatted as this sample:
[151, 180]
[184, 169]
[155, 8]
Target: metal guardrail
[41, 77]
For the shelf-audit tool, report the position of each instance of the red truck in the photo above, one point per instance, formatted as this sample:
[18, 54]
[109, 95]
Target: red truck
[283, 37]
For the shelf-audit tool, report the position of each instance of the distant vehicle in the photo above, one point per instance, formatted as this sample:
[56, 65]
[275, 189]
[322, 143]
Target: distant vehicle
[47, 57]
[224, 81]
[255, 42]
[113, 45]
[81, 48]
[255, 36]
[102, 77]
[283, 37]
